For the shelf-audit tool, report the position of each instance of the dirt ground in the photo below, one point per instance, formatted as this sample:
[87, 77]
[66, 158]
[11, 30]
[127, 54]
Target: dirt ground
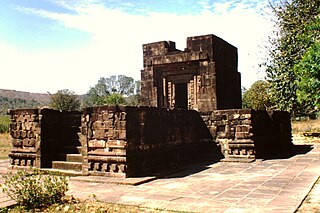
[312, 201]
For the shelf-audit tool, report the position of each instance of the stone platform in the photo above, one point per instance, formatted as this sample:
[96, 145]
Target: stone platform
[270, 185]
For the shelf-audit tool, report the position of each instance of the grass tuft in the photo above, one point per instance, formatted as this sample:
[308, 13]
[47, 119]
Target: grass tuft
[5, 145]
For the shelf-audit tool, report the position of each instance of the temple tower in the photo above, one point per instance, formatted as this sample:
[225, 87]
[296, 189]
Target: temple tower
[203, 77]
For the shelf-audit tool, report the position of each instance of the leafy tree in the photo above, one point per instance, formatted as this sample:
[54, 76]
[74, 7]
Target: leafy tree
[119, 89]
[115, 99]
[308, 80]
[94, 97]
[293, 37]
[257, 96]
[243, 90]
[65, 100]
[120, 84]
[133, 100]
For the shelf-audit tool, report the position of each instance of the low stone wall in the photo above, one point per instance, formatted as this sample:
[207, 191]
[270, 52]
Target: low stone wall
[104, 141]
[246, 134]
[136, 141]
[25, 133]
[40, 136]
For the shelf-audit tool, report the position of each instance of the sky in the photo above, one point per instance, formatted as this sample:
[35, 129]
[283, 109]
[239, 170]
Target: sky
[50, 45]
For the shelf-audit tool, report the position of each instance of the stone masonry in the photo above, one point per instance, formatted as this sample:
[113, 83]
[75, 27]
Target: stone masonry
[203, 77]
[136, 141]
[41, 136]
[246, 134]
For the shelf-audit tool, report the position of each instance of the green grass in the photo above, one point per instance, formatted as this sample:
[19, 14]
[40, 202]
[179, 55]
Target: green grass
[4, 123]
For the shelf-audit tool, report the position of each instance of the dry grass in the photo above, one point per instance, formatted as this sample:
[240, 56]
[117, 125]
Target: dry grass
[90, 205]
[5, 145]
[299, 127]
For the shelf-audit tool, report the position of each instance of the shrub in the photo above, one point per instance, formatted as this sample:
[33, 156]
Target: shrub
[257, 96]
[34, 189]
[65, 100]
[4, 123]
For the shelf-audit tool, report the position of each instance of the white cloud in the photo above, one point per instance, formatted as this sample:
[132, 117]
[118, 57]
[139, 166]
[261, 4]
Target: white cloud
[116, 44]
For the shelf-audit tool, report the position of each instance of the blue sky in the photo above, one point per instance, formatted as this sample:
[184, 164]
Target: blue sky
[47, 45]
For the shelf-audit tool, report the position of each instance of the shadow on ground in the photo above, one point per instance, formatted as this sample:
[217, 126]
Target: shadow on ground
[194, 168]
[191, 169]
[290, 152]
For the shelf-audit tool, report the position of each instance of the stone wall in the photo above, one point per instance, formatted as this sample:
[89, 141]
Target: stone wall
[246, 134]
[40, 136]
[136, 141]
[104, 141]
[25, 133]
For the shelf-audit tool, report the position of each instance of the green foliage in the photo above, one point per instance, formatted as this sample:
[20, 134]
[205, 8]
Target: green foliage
[115, 99]
[34, 189]
[120, 84]
[4, 123]
[94, 97]
[65, 100]
[14, 103]
[257, 96]
[308, 80]
[121, 90]
[297, 30]
[133, 100]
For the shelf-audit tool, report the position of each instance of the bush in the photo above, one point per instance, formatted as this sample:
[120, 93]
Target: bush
[34, 189]
[65, 100]
[4, 123]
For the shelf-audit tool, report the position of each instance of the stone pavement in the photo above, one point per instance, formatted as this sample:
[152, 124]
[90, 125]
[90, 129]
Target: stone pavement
[275, 185]
[272, 185]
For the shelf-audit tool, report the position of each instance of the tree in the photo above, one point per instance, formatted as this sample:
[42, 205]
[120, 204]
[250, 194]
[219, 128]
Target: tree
[119, 89]
[96, 95]
[257, 96]
[115, 99]
[308, 80]
[289, 43]
[65, 100]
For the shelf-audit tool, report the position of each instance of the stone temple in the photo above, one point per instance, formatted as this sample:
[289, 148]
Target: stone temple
[190, 111]
[203, 77]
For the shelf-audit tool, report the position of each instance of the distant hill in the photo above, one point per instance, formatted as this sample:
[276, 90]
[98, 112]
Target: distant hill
[12, 99]
[13, 94]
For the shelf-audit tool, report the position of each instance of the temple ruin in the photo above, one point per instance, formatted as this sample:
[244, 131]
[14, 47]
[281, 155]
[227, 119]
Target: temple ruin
[191, 110]
[203, 77]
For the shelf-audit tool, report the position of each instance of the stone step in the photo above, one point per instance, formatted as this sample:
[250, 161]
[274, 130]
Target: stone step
[62, 172]
[65, 165]
[237, 158]
[74, 158]
[73, 149]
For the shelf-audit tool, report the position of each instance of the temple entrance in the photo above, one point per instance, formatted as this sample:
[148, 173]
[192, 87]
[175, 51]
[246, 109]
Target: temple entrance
[181, 96]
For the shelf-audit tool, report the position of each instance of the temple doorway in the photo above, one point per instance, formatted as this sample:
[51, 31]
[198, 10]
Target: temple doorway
[181, 96]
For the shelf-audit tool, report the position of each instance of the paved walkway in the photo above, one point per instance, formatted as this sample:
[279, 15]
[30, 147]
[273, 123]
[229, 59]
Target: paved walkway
[275, 185]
